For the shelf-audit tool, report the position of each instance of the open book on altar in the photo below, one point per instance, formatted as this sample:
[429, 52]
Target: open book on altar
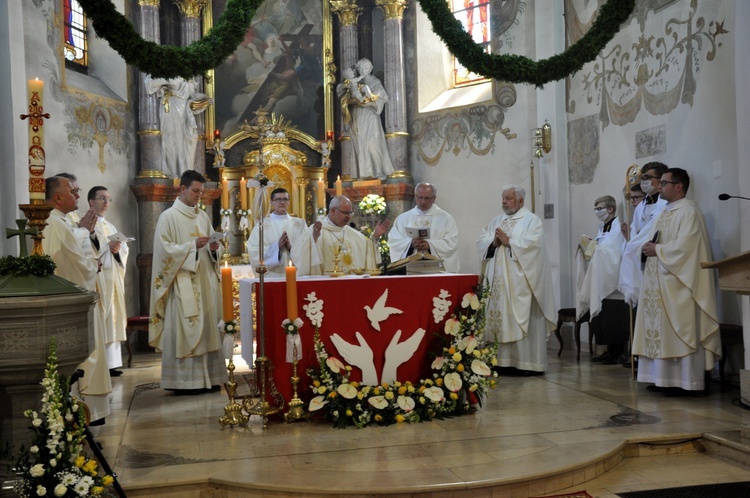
[413, 233]
[419, 263]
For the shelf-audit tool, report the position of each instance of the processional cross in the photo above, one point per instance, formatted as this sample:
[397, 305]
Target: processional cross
[21, 233]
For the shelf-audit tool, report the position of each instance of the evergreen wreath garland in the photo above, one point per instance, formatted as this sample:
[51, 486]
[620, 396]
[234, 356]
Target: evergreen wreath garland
[519, 69]
[170, 61]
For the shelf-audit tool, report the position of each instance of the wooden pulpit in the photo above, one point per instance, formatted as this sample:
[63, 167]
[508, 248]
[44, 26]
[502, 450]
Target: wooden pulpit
[734, 272]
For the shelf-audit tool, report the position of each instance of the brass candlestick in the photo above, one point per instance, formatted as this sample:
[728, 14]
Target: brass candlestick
[233, 411]
[225, 243]
[37, 215]
[296, 405]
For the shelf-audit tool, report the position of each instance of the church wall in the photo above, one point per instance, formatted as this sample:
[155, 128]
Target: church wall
[688, 123]
[90, 132]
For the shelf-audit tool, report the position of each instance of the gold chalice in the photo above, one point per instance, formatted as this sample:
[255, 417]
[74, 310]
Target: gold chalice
[336, 250]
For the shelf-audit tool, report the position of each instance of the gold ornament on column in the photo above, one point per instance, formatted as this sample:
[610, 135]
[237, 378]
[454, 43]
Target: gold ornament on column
[347, 10]
[191, 8]
[392, 9]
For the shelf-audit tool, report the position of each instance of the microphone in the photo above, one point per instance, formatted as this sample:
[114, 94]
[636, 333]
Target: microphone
[353, 225]
[724, 197]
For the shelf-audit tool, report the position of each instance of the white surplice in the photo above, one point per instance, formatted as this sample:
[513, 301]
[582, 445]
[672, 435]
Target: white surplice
[676, 327]
[112, 292]
[274, 257]
[70, 249]
[443, 235]
[185, 299]
[597, 279]
[316, 258]
[521, 311]
[631, 274]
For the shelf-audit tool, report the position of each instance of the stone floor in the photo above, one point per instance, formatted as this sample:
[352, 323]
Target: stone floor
[582, 426]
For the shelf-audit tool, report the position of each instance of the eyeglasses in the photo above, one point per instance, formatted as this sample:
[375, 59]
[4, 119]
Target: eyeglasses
[345, 213]
[281, 199]
[108, 200]
[637, 197]
[664, 183]
[76, 191]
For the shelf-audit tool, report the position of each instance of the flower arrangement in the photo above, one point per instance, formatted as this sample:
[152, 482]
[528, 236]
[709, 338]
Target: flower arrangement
[229, 327]
[291, 327]
[225, 212]
[56, 465]
[243, 212]
[201, 206]
[461, 377]
[372, 204]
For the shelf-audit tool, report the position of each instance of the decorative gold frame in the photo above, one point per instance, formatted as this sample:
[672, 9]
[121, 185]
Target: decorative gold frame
[329, 78]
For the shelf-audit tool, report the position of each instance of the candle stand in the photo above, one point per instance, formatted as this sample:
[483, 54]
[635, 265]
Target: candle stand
[233, 411]
[37, 215]
[245, 237]
[296, 405]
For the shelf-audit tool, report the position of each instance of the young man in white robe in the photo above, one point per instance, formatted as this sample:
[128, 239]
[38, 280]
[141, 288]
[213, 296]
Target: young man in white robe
[443, 239]
[280, 233]
[597, 285]
[186, 295]
[114, 258]
[677, 327]
[314, 254]
[64, 246]
[521, 311]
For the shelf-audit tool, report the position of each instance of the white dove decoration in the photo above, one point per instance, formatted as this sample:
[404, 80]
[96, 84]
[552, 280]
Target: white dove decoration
[380, 311]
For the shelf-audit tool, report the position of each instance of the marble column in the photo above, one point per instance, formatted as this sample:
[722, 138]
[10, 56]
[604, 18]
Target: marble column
[190, 30]
[149, 136]
[396, 134]
[348, 12]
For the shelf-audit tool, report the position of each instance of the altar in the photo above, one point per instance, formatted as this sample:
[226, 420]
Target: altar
[366, 313]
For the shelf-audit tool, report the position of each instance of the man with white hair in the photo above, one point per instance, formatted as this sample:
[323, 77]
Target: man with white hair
[442, 240]
[521, 307]
[314, 253]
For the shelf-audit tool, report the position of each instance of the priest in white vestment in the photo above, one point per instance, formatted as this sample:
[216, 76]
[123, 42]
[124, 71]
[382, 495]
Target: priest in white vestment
[114, 258]
[281, 231]
[443, 231]
[62, 243]
[644, 217]
[521, 311]
[596, 283]
[314, 254]
[186, 295]
[677, 327]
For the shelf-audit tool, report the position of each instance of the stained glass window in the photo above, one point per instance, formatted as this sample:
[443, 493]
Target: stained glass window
[474, 15]
[76, 42]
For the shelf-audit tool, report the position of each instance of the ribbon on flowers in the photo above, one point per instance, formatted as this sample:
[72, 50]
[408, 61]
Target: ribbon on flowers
[262, 187]
[227, 346]
[244, 223]
[225, 219]
[293, 341]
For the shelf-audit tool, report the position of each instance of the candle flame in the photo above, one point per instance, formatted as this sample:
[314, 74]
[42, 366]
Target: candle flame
[338, 177]
[226, 264]
[290, 264]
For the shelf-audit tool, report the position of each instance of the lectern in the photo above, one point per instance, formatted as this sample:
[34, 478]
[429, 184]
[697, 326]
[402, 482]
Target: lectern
[734, 272]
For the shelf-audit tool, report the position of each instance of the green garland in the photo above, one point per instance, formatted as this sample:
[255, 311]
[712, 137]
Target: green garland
[519, 69]
[40, 266]
[170, 61]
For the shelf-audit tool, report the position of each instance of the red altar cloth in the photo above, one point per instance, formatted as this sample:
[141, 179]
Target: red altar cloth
[343, 311]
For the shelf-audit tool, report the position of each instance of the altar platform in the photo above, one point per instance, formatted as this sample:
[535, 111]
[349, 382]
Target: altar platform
[582, 426]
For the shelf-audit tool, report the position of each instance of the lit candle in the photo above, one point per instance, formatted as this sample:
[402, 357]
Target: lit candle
[321, 194]
[37, 154]
[226, 293]
[338, 185]
[291, 292]
[217, 134]
[224, 194]
[243, 193]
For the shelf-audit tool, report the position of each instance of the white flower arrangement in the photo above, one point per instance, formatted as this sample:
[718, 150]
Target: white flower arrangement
[225, 212]
[291, 327]
[372, 204]
[56, 465]
[229, 327]
[243, 212]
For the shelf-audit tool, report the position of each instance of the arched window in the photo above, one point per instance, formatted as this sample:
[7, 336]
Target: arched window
[475, 18]
[75, 39]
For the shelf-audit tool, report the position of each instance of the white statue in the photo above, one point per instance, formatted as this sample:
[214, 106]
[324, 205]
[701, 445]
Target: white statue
[180, 101]
[363, 98]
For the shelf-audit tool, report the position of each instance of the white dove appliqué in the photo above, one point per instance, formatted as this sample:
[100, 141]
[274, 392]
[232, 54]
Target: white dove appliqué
[380, 311]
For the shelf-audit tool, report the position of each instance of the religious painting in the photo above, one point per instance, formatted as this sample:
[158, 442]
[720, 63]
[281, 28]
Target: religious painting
[280, 66]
